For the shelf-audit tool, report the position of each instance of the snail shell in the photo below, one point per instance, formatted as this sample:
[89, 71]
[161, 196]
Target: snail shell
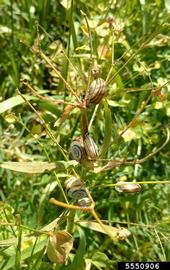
[77, 193]
[96, 91]
[72, 182]
[85, 202]
[90, 147]
[77, 150]
[127, 187]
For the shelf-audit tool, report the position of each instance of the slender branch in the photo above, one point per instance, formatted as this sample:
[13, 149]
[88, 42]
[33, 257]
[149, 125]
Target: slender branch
[93, 116]
[137, 114]
[49, 62]
[53, 101]
[114, 163]
[46, 127]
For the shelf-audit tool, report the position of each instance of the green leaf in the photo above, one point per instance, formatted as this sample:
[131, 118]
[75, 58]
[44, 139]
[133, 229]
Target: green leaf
[99, 259]
[108, 131]
[66, 3]
[14, 101]
[78, 258]
[37, 166]
[26, 252]
[118, 233]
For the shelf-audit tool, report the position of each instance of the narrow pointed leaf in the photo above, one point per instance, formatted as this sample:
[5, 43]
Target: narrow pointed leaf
[108, 131]
[118, 233]
[37, 166]
[14, 101]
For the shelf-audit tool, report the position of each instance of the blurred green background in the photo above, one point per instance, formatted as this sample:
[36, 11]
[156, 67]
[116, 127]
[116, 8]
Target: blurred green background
[129, 41]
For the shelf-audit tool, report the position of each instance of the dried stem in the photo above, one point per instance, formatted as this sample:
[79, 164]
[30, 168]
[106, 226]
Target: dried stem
[114, 163]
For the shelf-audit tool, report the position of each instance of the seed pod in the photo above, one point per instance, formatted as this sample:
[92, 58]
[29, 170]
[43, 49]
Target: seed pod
[72, 182]
[127, 187]
[90, 147]
[96, 91]
[85, 202]
[77, 150]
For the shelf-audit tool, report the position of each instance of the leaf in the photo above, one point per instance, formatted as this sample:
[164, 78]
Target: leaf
[65, 114]
[78, 258]
[129, 135]
[8, 242]
[59, 246]
[108, 131]
[100, 259]
[167, 5]
[114, 103]
[26, 252]
[118, 233]
[66, 3]
[37, 166]
[6, 212]
[14, 101]
[5, 30]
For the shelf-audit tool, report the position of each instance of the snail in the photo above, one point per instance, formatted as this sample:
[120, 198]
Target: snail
[75, 188]
[72, 182]
[77, 150]
[96, 91]
[85, 202]
[77, 193]
[127, 187]
[90, 147]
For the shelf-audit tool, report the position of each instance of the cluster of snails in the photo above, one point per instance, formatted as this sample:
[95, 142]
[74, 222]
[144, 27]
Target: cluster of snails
[83, 148]
[76, 190]
[86, 148]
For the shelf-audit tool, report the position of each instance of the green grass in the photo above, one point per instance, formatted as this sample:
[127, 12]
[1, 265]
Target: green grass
[47, 55]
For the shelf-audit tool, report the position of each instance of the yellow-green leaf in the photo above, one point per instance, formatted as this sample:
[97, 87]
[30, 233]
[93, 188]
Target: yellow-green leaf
[37, 166]
[118, 233]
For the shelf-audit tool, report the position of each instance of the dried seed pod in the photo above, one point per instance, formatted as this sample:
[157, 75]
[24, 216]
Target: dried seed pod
[85, 202]
[90, 147]
[77, 193]
[127, 187]
[72, 182]
[96, 91]
[95, 71]
[77, 150]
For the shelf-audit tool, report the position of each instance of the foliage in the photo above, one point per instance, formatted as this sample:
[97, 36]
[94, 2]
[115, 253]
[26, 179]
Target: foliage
[49, 52]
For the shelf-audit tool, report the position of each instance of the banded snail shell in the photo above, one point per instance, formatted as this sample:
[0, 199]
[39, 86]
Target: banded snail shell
[127, 187]
[77, 150]
[96, 91]
[90, 147]
[72, 182]
[77, 193]
[85, 202]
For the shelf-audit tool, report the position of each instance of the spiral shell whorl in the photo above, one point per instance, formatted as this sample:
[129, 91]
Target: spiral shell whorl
[77, 150]
[77, 191]
[90, 147]
[85, 202]
[96, 91]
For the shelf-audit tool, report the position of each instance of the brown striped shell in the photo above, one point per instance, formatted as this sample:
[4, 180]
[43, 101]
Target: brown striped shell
[90, 147]
[127, 187]
[75, 188]
[77, 193]
[77, 150]
[73, 182]
[85, 202]
[96, 91]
